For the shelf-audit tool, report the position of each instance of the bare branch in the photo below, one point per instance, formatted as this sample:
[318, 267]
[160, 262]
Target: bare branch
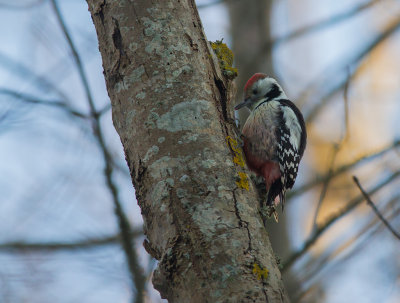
[28, 5]
[36, 100]
[335, 151]
[370, 229]
[378, 214]
[332, 219]
[52, 103]
[308, 29]
[124, 225]
[321, 25]
[92, 243]
[342, 169]
[105, 109]
[325, 184]
[346, 107]
[29, 75]
[340, 84]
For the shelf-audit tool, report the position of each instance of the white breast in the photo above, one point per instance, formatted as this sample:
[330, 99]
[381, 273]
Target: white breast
[260, 129]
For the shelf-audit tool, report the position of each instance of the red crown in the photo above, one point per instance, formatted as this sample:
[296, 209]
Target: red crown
[254, 79]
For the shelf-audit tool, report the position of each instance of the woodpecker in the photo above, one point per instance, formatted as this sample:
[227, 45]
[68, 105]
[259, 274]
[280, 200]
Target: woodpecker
[274, 136]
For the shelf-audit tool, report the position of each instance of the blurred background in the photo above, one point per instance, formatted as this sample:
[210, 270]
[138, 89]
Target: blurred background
[338, 60]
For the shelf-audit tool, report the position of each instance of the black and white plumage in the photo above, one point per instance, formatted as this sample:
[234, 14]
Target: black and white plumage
[274, 135]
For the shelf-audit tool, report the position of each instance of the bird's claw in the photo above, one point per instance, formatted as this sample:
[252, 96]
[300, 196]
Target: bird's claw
[272, 211]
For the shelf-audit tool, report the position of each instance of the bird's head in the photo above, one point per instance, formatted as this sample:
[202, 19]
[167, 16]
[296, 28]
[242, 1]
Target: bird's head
[260, 88]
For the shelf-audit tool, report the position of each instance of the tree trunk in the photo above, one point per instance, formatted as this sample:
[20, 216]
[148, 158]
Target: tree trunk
[171, 107]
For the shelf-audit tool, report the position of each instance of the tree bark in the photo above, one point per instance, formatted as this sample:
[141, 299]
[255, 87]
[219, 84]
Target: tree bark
[171, 108]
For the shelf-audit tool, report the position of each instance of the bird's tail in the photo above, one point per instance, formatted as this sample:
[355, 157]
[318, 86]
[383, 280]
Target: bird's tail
[282, 198]
[273, 201]
[274, 191]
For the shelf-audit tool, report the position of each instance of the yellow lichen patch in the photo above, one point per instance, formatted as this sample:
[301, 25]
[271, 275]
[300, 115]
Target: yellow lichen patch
[243, 181]
[238, 158]
[259, 272]
[225, 58]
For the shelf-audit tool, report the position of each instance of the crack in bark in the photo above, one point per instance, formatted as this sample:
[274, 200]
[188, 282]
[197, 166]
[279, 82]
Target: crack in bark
[193, 45]
[123, 60]
[117, 42]
[245, 224]
[116, 36]
[222, 88]
[100, 12]
[264, 290]
[224, 99]
[242, 223]
[141, 170]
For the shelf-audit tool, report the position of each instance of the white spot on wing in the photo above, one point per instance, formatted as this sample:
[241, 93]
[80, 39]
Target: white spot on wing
[293, 125]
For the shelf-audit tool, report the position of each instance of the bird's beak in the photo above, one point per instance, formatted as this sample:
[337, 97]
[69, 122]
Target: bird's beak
[243, 104]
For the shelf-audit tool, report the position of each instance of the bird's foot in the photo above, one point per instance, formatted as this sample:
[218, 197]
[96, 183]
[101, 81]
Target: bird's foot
[268, 211]
[272, 212]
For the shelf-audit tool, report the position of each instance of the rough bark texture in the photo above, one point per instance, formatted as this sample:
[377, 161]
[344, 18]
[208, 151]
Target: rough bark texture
[170, 108]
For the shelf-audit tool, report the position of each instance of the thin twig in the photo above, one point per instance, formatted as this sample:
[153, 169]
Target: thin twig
[377, 212]
[342, 169]
[332, 219]
[138, 278]
[52, 103]
[23, 6]
[325, 184]
[335, 151]
[31, 77]
[103, 110]
[323, 100]
[346, 135]
[363, 238]
[93, 243]
[313, 277]
[320, 25]
[35, 100]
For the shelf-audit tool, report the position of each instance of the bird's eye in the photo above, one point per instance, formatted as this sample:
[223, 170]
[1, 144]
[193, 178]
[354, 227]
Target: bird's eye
[255, 91]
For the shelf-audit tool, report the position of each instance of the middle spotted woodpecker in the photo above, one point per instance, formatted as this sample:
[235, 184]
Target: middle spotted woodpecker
[274, 135]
